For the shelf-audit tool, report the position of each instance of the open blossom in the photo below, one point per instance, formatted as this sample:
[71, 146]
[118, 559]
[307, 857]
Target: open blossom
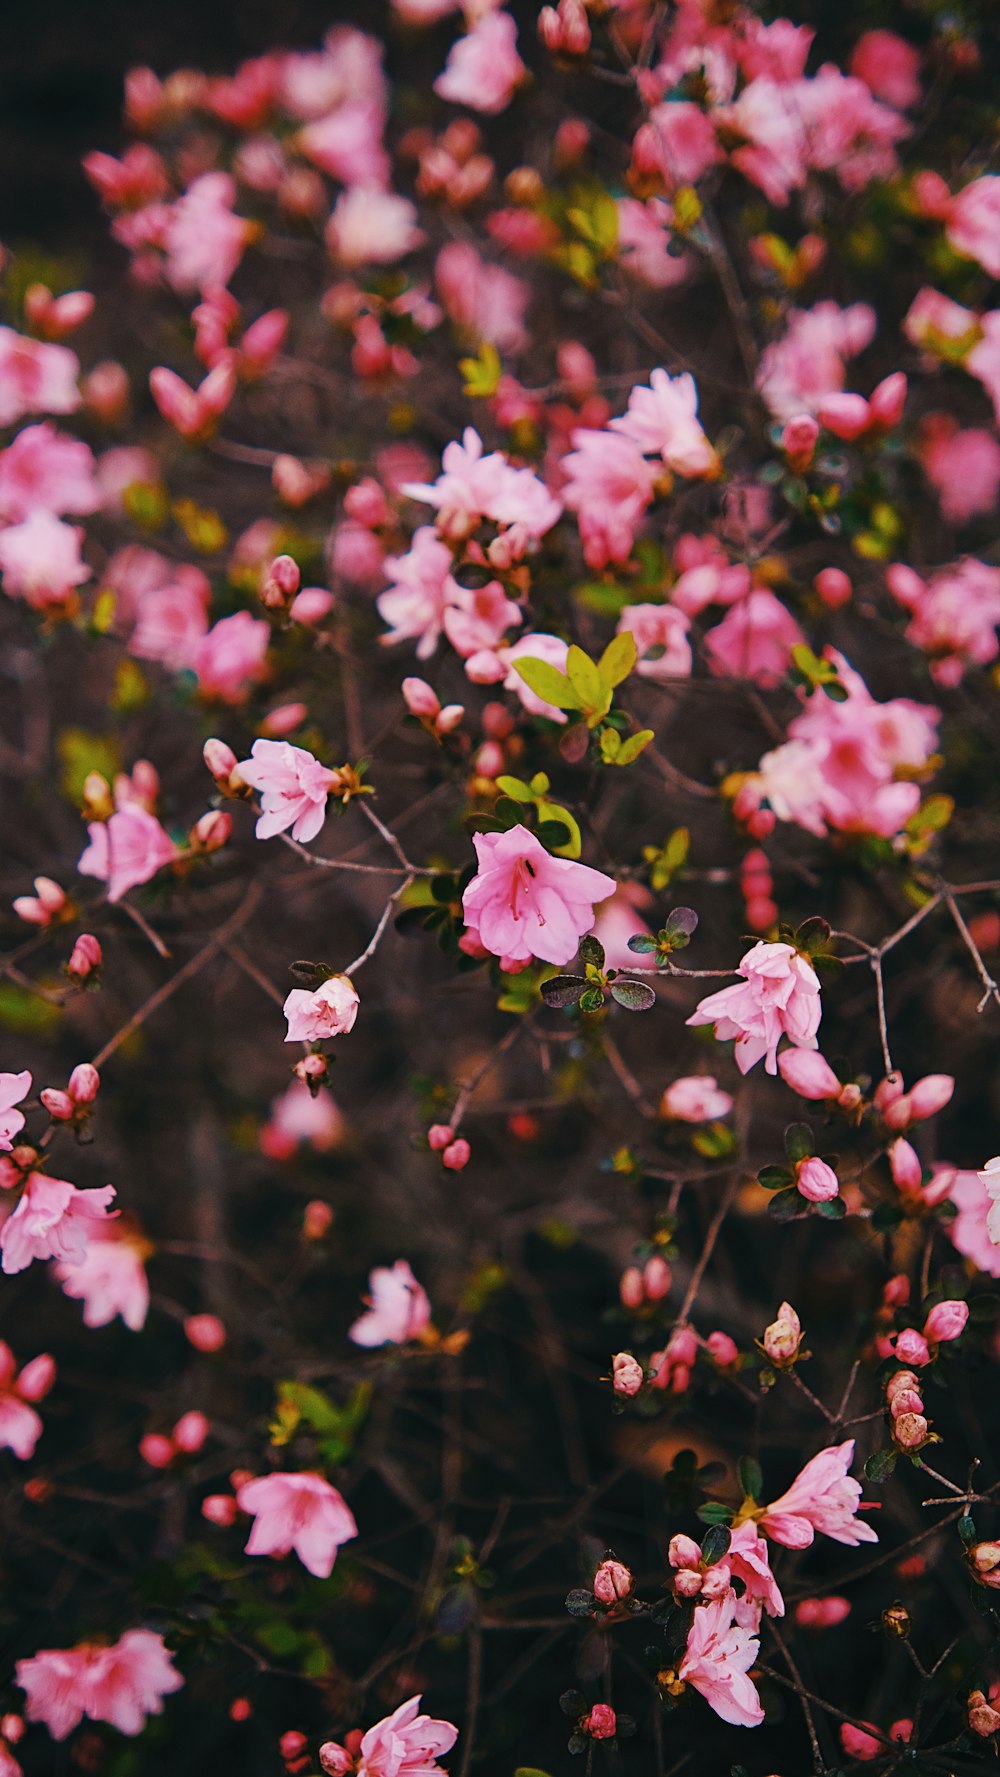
[203, 239]
[472, 487]
[717, 1659]
[35, 377]
[486, 301]
[524, 903]
[663, 420]
[973, 225]
[294, 787]
[697, 1098]
[969, 1230]
[821, 1498]
[778, 996]
[962, 465]
[329, 1011]
[754, 640]
[661, 640]
[483, 69]
[372, 227]
[415, 603]
[13, 1087]
[121, 1684]
[808, 362]
[52, 1220]
[44, 470]
[403, 1744]
[40, 560]
[230, 658]
[953, 615]
[300, 1512]
[398, 1308]
[20, 1425]
[609, 484]
[110, 1278]
[300, 1115]
[126, 850]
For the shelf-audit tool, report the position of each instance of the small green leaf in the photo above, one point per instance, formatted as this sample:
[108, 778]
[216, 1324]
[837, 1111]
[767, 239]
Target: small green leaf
[515, 789]
[618, 659]
[592, 951]
[644, 944]
[751, 1477]
[833, 1210]
[798, 1141]
[561, 991]
[715, 1544]
[592, 1000]
[548, 683]
[881, 1464]
[967, 1530]
[635, 996]
[714, 1512]
[584, 678]
[774, 1178]
[786, 1205]
[630, 749]
[611, 746]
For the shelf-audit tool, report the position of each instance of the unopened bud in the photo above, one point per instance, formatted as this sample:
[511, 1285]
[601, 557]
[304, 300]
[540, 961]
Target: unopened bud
[439, 1135]
[190, 1432]
[612, 1581]
[626, 1373]
[212, 831]
[312, 1071]
[84, 1083]
[86, 958]
[98, 803]
[456, 1155]
[984, 1719]
[783, 1337]
[219, 1508]
[317, 1219]
[206, 1332]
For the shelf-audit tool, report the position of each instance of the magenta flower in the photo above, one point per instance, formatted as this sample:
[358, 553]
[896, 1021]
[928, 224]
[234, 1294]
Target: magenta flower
[294, 787]
[13, 1087]
[329, 1011]
[53, 1220]
[524, 903]
[779, 996]
[127, 850]
[297, 1511]
[20, 1425]
[718, 1657]
[821, 1498]
[403, 1744]
[398, 1308]
[122, 1684]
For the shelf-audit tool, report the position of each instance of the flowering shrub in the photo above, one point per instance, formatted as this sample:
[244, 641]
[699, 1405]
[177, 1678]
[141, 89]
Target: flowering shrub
[527, 513]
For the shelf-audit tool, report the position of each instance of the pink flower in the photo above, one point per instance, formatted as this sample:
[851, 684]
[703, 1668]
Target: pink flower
[974, 223]
[822, 1613]
[747, 1559]
[963, 466]
[696, 1098]
[172, 620]
[617, 921]
[40, 560]
[404, 1744]
[230, 658]
[110, 1278]
[472, 487]
[300, 1115]
[204, 240]
[297, 1511]
[946, 1320]
[626, 1374]
[329, 1011]
[663, 420]
[970, 1230]
[126, 850]
[859, 1744]
[718, 1657]
[476, 619]
[20, 1425]
[754, 640]
[783, 1337]
[483, 69]
[13, 1087]
[35, 377]
[805, 1071]
[52, 1220]
[414, 605]
[524, 903]
[398, 1308]
[816, 1181]
[372, 227]
[600, 1722]
[122, 1684]
[294, 787]
[889, 67]
[954, 615]
[644, 237]
[484, 300]
[807, 362]
[612, 1582]
[609, 485]
[671, 1368]
[661, 640]
[821, 1498]
[778, 996]
[43, 470]
[683, 141]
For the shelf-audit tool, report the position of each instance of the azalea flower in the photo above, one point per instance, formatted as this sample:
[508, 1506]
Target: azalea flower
[663, 420]
[329, 1011]
[718, 1657]
[297, 1511]
[126, 850]
[13, 1087]
[821, 1498]
[294, 787]
[122, 1684]
[110, 1279]
[398, 1309]
[779, 996]
[403, 1744]
[524, 903]
[52, 1220]
[20, 1425]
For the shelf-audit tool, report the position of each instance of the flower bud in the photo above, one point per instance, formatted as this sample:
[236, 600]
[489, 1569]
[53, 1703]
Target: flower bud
[190, 1432]
[284, 720]
[222, 763]
[612, 1581]
[292, 1744]
[316, 1220]
[439, 1135]
[12, 1728]
[910, 1431]
[783, 1337]
[456, 1155]
[904, 1164]
[105, 391]
[206, 1332]
[84, 1083]
[600, 1722]
[930, 1095]
[241, 1708]
[48, 903]
[984, 1558]
[626, 1373]
[58, 1104]
[816, 1181]
[211, 832]
[157, 1450]
[984, 1719]
[798, 441]
[312, 1071]
[821, 1613]
[420, 699]
[98, 804]
[902, 1379]
[912, 1348]
[688, 1582]
[219, 1508]
[906, 1400]
[947, 1320]
[722, 1349]
[630, 1290]
[834, 587]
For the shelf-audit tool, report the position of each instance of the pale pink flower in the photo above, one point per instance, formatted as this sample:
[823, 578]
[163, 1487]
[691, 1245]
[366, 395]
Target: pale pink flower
[962, 465]
[933, 321]
[683, 140]
[294, 788]
[778, 996]
[953, 616]
[297, 1511]
[43, 469]
[126, 850]
[974, 223]
[754, 640]
[747, 1559]
[329, 1011]
[13, 1087]
[122, 1684]
[35, 377]
[626, 1373]
[300, 1115]
[644, 239]
[990, 1177]
[483, 69]
[663, 420]
[403, 1744]
[230, 658]
[472, 486]
[20, 1425]
[398, 1308]
[110, 1279]
[484, 300]
[808, 362]
[40, 560]
[52, 1220]
[969, 1230]
[822, 1613]
[696, 1098]
[609, 485]
[661, 640]
[849, 133]
[716, 1661]
[770, 116]
[370, 226]
[821, 1498]
[203, 239]
[347, 142]
[55, 1684]
[524, 903]
[172, 621]
[477, 619]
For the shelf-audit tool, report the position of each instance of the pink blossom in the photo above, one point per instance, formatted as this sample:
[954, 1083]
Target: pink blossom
[962, 465]
[524, 903]
[35, 377]
[347, 142]
[230, 658]
[206, 1332]
[40, 560]
[663, 420]
[770, 116]
[52, 1220]
[778, 996]
[808, 362]
[822, 1613]
[203, 239]
[974, 223]
[297, 1511]
[20, 1425]
[808, 1074]
[43, 469]
[110, 1278]
[609, 485]
[685, 142]
[644, 237]
[754, 640]
[612, 1581]
[553, 650]
[953, 616]
[783, 1337]
[637, 1288]
[859, 1744]
[747, 1559]
[716, 1661]
[126, 850]
[294, 787]
[13, 1087]
[849, 133]
[483, 69]
[172, 620]
[122, 1684]
[617, 921]
[671, 1368]
[329, 1011]
[472, 486]
[600, 1722]
[898, 1109]
[477, 619]
[970, 1230]
[696, 1098]
[301, 1115]
[816, 1181]
[946, 1321]
[398, 1308]
[889, 67]
[370, 226]
[661, 639]
[486, 301]
[404, 1744]
[626, 1374]
[821, 1498]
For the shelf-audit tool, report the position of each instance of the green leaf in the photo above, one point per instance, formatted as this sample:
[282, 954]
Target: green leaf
[715, 1543]
[635, 996]
[482, 374]
[786, 1205]
[967, 1530]
[592, 951]
[618, 659]
[798, 1141]
[751, 1477]
[881, 1464]
[637, 743]
[833, 1210]
[560, 991]
[611, 746]
[579, 1602]
[592, 1000]
[554, 835]
[644, 944]
[516, 789]
[604, 597]
[584, 678]
[774, 1178]
[548, 683]
[714, 1512]
[681, 923]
